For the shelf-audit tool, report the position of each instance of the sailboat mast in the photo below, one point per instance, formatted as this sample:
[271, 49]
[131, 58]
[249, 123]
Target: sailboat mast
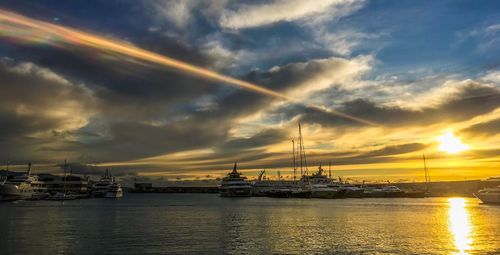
[303, 150]
[426, 174]
[300, 152]
[330, 169]
[64, 181]
[294, 163]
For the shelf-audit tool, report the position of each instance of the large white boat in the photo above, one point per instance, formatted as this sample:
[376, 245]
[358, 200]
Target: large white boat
[21, 187]
[323, 186]
[107, 187]
[235, 185]
[383, 191]
[489, 195]
[265, 187]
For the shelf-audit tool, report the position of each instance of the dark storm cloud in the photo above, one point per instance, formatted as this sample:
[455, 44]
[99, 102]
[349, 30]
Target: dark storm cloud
[86, 169]
[261, 139]
[125, 89]
[133, 140]
[473, 99]
[488, 128]
[35, 101]
[255, 159]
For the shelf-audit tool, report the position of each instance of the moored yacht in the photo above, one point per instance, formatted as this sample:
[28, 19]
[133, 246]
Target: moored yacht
[20, 187]
[107, 187]
[114, 191]
[235, 185]
[392, 191]
[353, 191]
[489, 195]
[322, 186]
[264, 187]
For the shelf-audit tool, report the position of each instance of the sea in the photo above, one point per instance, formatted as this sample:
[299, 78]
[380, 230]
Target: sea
[209, 224]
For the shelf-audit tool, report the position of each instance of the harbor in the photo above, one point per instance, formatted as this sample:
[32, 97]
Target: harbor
[27, 185]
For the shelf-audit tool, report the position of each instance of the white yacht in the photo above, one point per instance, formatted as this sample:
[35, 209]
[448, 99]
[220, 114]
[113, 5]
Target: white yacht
[322, 186]
[353, 191]
[235, 185]
[21, 187]
[383, 191]
[107, 187]
[263, 187]
[392, 191]
[489, 195]
[114, 191]
[373, 191]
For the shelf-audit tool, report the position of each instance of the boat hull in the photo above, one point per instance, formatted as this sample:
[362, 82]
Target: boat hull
[354, 193]
[280, 193]
[301, 194]
[323, 194]
[236, 192]
[489, 198]
[12, 192]
[114, 194]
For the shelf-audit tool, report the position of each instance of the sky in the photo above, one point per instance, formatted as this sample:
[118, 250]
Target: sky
[170, 90]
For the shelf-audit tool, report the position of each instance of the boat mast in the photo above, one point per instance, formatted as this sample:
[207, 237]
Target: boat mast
[426, 173]
[330, 169]
[302, 152]
[294, 163]
[64, 180]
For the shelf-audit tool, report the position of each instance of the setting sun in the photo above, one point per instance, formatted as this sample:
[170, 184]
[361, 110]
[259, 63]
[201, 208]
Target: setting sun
[451, 144]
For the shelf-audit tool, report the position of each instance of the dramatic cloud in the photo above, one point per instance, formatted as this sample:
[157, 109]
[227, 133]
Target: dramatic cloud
[247, 16]
[36, 102]
[485, 129]
[471, 100]
[142, 120]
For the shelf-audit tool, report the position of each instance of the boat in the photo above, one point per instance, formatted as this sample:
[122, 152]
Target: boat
[262, 187]
[353, 191]
[300, 192]
[235, 185]
[22, 187]
[392, 191]
[373, 191]
[67, 186]
[60, 196]
[107, 187]
[489, 195]
[280, 192]
[322, 186]
[114, 191]
[383, 191]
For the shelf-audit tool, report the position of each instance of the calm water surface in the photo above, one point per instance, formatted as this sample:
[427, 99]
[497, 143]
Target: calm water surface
[208, 224]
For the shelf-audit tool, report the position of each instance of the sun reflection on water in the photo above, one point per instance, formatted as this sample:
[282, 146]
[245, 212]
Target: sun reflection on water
[460, 225]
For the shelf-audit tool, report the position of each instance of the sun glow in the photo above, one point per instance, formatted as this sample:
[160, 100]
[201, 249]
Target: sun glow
[451, 144]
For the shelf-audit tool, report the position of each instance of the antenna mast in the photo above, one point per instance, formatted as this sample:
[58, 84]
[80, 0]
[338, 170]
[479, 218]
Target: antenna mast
[426, 172]
[302, 151]
[330, 169]
[64, 177]
[294, 162]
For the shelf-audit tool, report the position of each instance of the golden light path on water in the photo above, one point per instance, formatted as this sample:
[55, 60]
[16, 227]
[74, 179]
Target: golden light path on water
[460, 225]
[27, 30]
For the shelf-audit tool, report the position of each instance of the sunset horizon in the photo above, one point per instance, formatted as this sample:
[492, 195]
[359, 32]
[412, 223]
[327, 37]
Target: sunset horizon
[370, 113]
[249, 127]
